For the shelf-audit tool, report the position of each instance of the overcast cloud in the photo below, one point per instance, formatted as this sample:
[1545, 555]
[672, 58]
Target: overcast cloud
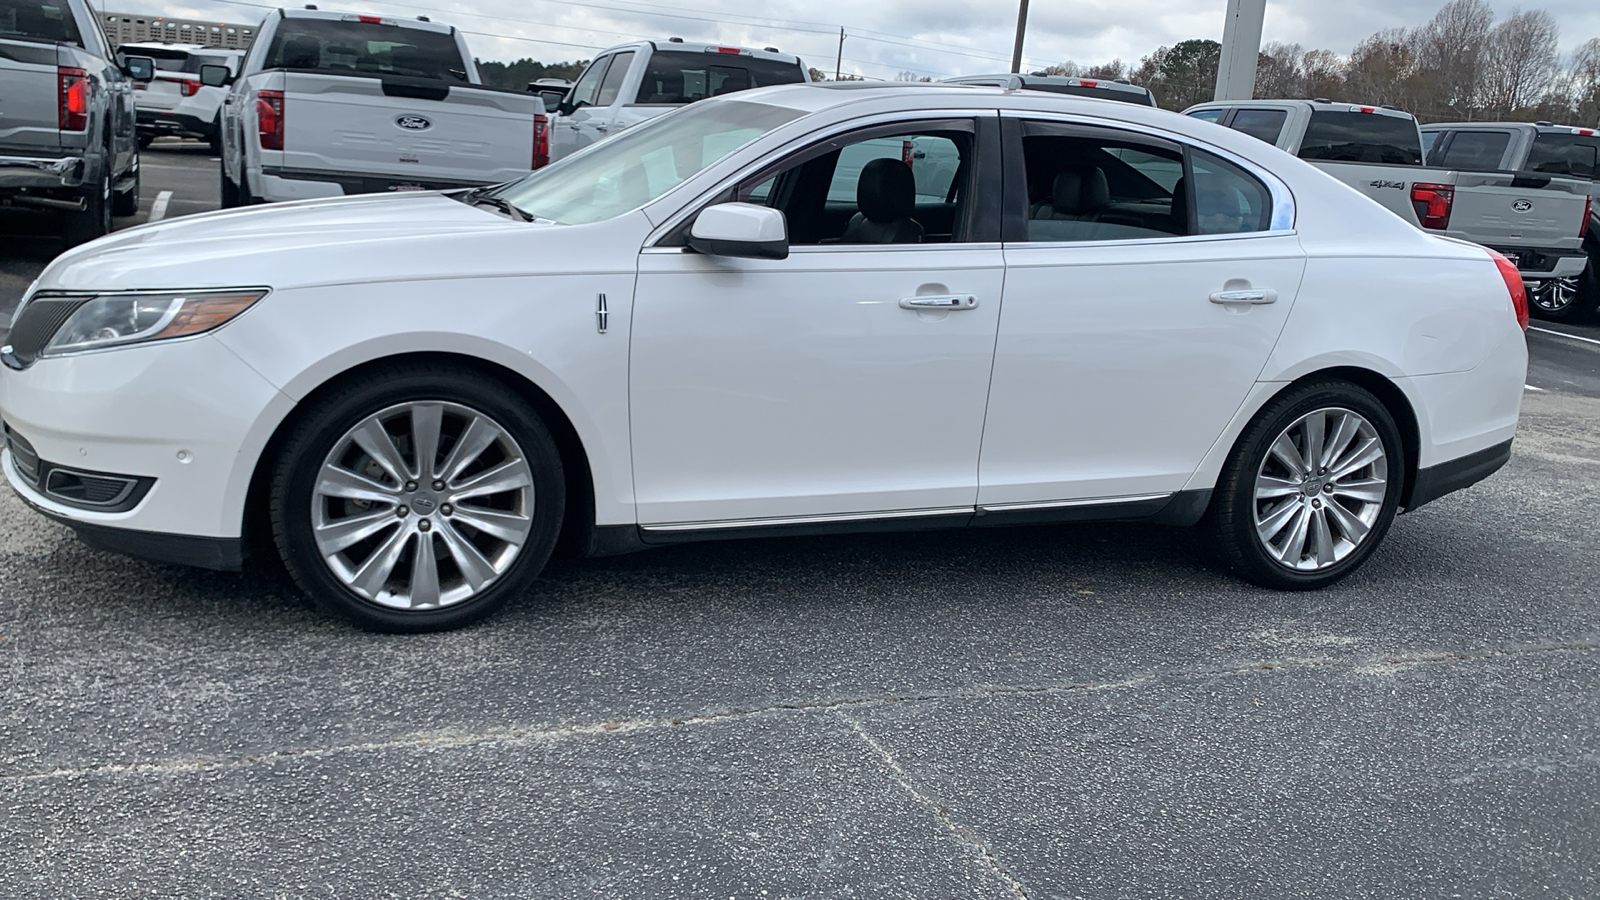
[978, 34]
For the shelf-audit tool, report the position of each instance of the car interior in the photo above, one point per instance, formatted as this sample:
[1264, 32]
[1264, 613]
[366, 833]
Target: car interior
[1091, 189]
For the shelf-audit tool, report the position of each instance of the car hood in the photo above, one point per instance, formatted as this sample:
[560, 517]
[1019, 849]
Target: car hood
[383, 237]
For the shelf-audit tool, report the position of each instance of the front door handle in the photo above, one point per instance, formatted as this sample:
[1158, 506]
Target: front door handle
[1255, 297]
[964, 301]
[602, 128]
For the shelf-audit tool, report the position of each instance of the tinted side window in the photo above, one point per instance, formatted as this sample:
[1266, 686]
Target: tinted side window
[1475, 151]
[588, 85]
[1102, 188]
[676, 76]
[1227, 200]
[1265, 124]
[39, 20]
[1564, 154]
[1429, 140]
[365, 48]
[1362, 137]
[612, 85]
[1207, 115]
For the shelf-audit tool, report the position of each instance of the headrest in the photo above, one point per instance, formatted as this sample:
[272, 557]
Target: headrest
[1080, 190]
[303, 52]
[886, 191]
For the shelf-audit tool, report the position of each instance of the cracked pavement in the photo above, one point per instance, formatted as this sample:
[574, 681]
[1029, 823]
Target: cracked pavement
[1091, 711]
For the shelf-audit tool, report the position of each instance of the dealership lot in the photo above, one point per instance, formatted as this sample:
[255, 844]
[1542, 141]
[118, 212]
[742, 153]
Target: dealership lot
[1089, 711]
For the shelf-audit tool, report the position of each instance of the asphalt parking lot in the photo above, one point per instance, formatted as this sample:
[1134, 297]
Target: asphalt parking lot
[1046, 712]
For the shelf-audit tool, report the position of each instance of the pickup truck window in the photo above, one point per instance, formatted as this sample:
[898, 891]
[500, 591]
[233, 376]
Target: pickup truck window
[1264, 124]
[364, 49]
[1564, 154]
[644, 162]
[1474, 151]
[39, 20]
[1362, 137]
[612, 85]
[684, 77]
[588, 86]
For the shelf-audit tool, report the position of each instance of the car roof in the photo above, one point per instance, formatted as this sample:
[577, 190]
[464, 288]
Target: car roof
[667, 45]
[1545, 128]
[1110, 84]
[1315, 105]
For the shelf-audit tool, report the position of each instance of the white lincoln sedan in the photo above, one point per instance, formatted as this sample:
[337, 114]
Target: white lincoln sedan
[798, 309]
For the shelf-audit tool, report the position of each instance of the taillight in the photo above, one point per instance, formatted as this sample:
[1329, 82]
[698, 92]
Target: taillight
[269, 119]
[541, 141]
[1588, 210]
[1513, 280]
[73, 92]
[1433, 202]
[189, 88]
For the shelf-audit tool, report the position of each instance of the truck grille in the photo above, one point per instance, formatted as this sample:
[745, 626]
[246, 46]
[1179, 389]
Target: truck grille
[41, 318]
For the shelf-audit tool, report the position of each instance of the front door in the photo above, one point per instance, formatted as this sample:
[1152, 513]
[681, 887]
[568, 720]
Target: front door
[829, 384]
[1146, 285]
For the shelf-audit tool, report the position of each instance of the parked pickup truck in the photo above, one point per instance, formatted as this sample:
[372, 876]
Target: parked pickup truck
[67, 138]
[1539, 149]
[1535, 219]
[634, 82]
[1102, 88]
[328, 104]
[174, 102]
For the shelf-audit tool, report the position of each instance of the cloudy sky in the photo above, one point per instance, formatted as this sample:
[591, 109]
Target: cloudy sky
[930, 37]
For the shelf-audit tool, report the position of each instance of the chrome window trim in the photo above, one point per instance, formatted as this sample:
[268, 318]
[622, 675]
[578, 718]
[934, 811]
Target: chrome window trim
[1283, 205]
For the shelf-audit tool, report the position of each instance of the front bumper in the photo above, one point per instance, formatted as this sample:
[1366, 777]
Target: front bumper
[30, 172]
[181, 415]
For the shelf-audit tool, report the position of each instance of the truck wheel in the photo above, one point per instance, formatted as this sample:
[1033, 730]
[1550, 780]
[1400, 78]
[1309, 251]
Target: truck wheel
[146, 139]
[1567, 299]
[417, 499]
[230, 191]
[94, 220]
[126, 203]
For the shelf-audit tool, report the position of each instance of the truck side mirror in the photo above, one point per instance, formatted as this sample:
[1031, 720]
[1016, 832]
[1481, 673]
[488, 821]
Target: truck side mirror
[552, 97]
[139, 68]
[215, 76]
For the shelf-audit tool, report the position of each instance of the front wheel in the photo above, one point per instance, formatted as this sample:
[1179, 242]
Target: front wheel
[1311, 488]
[418, 499]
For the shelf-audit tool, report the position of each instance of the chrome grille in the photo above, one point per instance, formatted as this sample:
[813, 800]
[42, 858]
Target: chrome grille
[86, 488]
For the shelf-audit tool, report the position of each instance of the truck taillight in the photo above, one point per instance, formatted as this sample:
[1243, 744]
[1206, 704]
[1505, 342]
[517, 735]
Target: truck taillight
[541, 141]
[1588, 210]
[73, 92]
[1513, 280]
[269, 119]
[189, 88]
[1433, 202]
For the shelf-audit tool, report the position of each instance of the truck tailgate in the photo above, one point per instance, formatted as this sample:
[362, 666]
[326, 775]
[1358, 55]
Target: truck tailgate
[1489, 210]
[1389, 185]
[355, 125]
[30, 118]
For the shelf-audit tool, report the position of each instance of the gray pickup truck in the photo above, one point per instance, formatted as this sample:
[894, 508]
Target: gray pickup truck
[1536, 150]
[67, 119]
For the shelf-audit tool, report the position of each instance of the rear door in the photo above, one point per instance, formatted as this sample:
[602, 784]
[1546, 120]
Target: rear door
[1146, 285]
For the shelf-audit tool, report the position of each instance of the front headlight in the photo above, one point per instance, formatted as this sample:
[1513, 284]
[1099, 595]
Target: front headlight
[111, 320]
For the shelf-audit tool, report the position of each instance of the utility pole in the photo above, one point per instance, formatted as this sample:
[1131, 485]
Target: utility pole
[1022, 26]
[838, 63]
[1241, 49]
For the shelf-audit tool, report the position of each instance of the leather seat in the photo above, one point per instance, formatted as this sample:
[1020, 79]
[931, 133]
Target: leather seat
[886, 194]
[1079, 193]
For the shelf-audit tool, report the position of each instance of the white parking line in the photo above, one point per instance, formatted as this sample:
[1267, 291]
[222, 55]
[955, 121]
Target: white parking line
[158, 209]
[1565, 335]
[1529, 387]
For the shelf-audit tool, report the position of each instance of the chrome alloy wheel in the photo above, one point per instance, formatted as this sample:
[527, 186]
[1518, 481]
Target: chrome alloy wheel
[423, 505]
[1320, 489]
[1555, 294]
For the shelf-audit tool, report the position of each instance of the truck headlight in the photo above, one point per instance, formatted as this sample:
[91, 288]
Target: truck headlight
[111, 320]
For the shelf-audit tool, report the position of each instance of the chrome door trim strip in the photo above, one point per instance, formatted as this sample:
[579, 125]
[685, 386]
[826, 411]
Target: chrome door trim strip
[671, 527]
[1069, 504]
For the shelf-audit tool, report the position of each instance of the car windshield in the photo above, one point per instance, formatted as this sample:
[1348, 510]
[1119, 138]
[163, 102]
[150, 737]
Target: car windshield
[639, 165]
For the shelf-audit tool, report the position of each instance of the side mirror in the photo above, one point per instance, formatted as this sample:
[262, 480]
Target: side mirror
[215, 76]
[552, 97]
[139, 68]
[741, 229]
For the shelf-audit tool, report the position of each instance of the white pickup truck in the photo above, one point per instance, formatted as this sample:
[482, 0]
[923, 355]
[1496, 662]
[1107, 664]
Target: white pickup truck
[1537, 220]
[634, 82]
[328, 104]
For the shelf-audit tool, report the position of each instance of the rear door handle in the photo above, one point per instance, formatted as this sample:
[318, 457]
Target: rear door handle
[1254, 297]
[965, 301]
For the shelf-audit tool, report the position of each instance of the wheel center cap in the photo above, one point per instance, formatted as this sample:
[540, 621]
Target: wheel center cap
[424, 504]
[1312, 487]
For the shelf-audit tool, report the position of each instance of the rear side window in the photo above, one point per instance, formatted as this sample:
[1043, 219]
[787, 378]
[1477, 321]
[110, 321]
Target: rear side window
[39, 20]
[612, 85]
[1564, 154]
[1362, 137]
[1207, 115]
[684, 77]
[1226, 199]
[364, 48]
[1474, 151]
[1264, 124]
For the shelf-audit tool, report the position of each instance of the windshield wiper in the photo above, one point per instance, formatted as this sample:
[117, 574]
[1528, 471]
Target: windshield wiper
[482, 197]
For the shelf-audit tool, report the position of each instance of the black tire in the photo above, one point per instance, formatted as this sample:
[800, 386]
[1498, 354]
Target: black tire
[94, 220]
[230, 191]
[1575, 301]
[145, 140]
[326, 422]
[126, 203]
[1231, 519]
[215, 141]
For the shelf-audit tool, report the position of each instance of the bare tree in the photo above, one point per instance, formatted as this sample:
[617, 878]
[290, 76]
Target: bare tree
[1449, 53]
[1583, 83]
[1519, 61]
[1324, 75]
[1107, 71]
[1068, 68]
[1383, 69]
[1278, 72]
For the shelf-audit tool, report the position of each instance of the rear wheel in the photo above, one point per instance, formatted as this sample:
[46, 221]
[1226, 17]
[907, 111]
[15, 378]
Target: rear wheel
[1567, 299]
[146, 139]
[418, 500]
[1311, 488]
[126, 203]
[94, 220]
[230, 190]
